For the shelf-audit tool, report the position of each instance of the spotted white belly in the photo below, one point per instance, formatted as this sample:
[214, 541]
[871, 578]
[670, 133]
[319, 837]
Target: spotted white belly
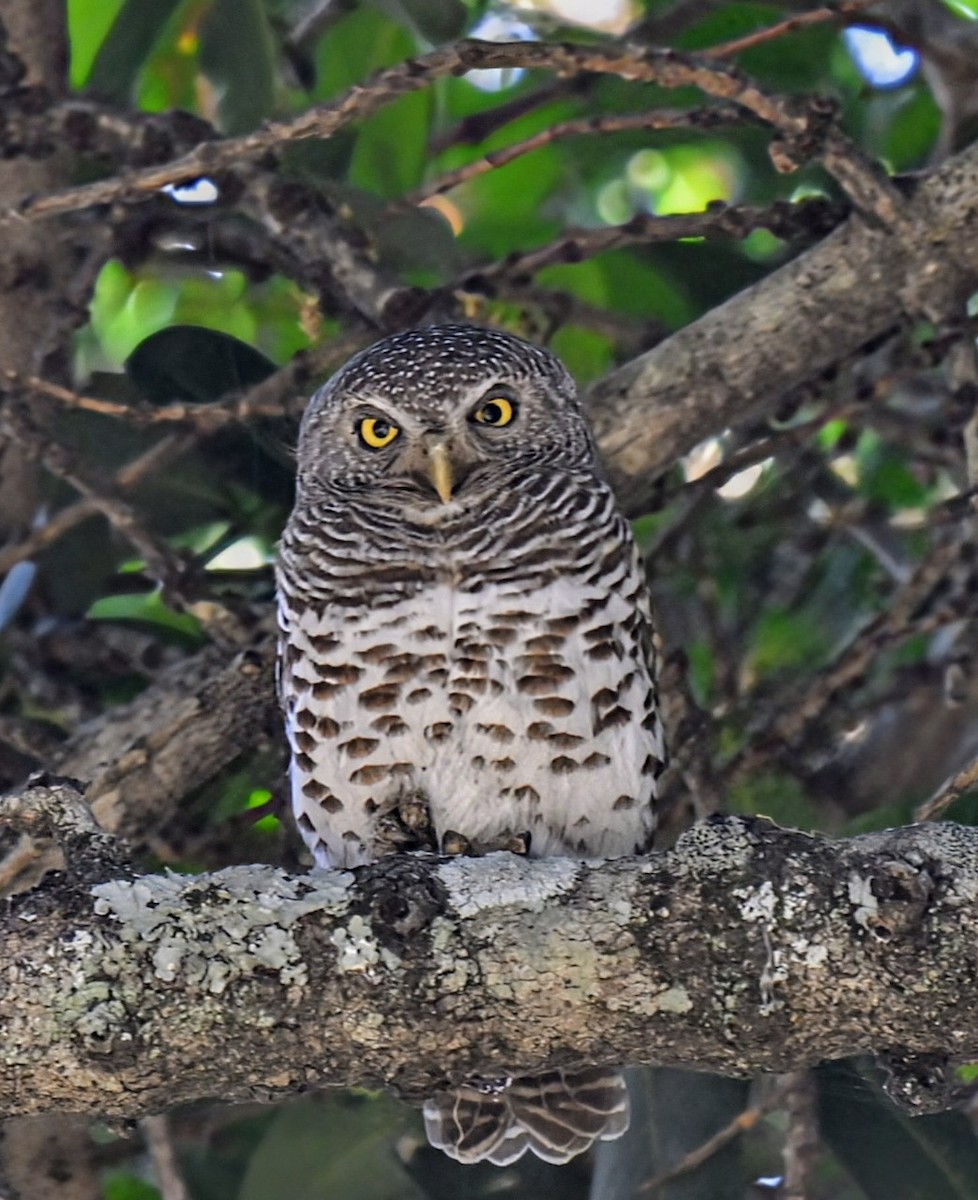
[504, 711]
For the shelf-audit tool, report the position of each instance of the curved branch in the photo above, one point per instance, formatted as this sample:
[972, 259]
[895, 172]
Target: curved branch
[745, 948]
[744, 355]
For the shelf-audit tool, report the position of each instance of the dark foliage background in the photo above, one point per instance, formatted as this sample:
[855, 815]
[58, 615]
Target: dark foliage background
[813, 566]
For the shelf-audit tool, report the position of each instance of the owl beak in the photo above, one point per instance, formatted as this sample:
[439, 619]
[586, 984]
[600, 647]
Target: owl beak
[440, 471]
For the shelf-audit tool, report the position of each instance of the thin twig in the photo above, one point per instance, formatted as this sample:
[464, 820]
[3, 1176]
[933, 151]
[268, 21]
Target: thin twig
[783, 219]
[161, 562]
[156, 1130]
[801, 1141]
[691, 118]
[843, 13]
[743, 1123]
[281, 395]
[133, 473]
[852, 662]
[966, 780]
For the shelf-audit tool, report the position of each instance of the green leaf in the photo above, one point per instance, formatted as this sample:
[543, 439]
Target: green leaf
[441, 22]
[884, 475]
[783, 640]
[112, 288]
[625, 283]
[888, 1153]
[392, 148]
[587, 355]
[362, 42]
[340, 1147]
[910, 126]
[127, 46]
[147, 607]
[194, 364]
[701, 670]
[88, 23]
[238, 53]
[968, 9]
[119, 1185]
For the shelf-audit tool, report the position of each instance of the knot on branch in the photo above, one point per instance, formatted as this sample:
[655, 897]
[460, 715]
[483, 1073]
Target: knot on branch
[51, 828]
[815, 119]
[922, 1083]
[402, 896]
[899, 895]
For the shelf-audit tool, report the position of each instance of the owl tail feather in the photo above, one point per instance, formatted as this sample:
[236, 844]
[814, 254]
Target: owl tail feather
[556, 1115]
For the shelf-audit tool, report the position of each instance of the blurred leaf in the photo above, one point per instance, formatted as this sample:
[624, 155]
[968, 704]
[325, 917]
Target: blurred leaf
[340, 1148]
[793, 61]
[586, 354]
[193, 364]
[112, 288]
[831, 432]
[419, 243]
[910, 129]
[127, 46]
[507, 209]
[784, 639]
[150, 302]
[968, 9]
[147, 607]
[700, 655]
[441, 22]
[885, 476]
[237, 51]
[391, 150]
[119, 1185]
[891, 1154]
[723, 23]
[625, 283]
[88, 23]
[363, 41]
[214, 1166]
[171, 76]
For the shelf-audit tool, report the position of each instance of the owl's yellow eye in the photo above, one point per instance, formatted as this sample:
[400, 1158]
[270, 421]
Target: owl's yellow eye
[498, 411]
[376, 433]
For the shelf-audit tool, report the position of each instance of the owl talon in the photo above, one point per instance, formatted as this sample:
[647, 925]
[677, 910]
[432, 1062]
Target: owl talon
[405, 826]
[414, 814]
[455, 844]
[517, 843]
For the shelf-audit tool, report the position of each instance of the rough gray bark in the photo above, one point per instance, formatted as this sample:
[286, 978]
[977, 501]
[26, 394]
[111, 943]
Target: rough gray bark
[45, 276]
[42, 280]
[140, 760]
[745, 948]
[743, 356]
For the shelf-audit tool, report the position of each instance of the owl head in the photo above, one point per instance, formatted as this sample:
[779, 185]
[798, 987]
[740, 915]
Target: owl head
[436, 415]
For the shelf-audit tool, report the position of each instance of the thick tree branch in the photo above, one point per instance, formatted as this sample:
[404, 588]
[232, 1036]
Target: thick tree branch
[746, 948]
[743, 356]
[141, 759]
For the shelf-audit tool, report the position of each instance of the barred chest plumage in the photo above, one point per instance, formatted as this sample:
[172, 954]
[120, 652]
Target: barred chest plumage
[509, 690]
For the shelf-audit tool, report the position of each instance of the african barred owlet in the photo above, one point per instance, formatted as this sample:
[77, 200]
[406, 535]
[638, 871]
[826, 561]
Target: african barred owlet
[465, 631]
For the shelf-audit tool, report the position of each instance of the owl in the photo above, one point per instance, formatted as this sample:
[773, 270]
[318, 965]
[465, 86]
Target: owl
[466, 653]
